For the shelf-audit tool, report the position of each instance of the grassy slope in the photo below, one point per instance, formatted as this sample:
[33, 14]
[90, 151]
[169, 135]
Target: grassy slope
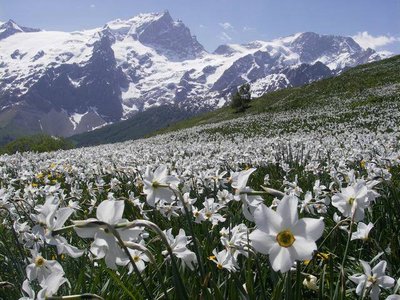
[351, 84]
[144, 123]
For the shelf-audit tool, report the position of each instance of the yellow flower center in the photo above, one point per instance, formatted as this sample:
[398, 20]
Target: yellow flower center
[155, 184]
[208, 215]
[219, 266]
[285, 238]
[351, 200]
[39, 261]
[136, 258]
[372, 279]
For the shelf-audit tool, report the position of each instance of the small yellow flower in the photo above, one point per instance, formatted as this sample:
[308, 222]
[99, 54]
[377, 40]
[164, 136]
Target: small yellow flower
[39, 175]
[324, 256]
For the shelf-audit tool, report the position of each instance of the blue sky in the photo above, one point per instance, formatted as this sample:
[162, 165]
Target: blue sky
[374, 23]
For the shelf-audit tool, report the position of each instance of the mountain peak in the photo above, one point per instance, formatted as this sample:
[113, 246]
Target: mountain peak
[10, 24]
[135, 25]
[160, 32]
[11, 27]
[169, 38]
[311, 46]
[166, 15]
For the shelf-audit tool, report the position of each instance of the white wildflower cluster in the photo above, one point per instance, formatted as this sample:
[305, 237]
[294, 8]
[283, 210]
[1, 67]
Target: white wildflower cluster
[197, 194]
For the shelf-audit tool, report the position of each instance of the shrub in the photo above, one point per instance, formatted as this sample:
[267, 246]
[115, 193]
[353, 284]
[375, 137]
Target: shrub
[36, 143]
[241, 99]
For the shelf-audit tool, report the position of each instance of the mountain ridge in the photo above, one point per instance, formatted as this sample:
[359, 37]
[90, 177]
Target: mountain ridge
[87, 79]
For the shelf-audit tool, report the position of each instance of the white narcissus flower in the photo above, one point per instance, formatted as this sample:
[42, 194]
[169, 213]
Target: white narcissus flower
[210, 211]
[283, 236]
[372, 279]
[187, 201]
[352, 200]
[167, 209]
[179, 248]
[156, 185]
[362, 232]
[224, 260]
[293, 187]
[4, 199]
[307, 204]
[337, 220]
[239, 180]
[31, 295]
[105, 244]
[41, 268]
[235, 239]
[250, 202]
[218, 178]
[50, 219]
[51, 285]
[318, 188]
[224, 197]
[139, 257]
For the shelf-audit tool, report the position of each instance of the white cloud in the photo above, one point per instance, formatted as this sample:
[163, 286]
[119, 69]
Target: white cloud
[225, 37]
[369, 41]
[247, 29]
[202, 26]
[226, 26]
[92, 6]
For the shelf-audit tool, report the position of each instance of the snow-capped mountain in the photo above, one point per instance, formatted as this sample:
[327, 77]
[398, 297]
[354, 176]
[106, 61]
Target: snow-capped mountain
[70, 82]
[10, 28]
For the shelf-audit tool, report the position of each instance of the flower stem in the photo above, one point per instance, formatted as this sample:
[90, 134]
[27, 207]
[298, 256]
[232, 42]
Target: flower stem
[341, 275]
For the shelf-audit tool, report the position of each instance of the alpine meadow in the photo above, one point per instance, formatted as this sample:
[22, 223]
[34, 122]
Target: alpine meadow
[266, 170]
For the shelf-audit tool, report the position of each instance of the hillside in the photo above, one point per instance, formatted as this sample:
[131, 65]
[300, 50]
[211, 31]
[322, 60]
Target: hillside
[349, 91]
[144, 123]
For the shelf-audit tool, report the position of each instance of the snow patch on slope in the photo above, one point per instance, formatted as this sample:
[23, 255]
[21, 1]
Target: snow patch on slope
[76, 118]
[269, 83]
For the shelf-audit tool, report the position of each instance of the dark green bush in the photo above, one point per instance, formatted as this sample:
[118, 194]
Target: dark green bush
[241, 99]
[36, 143]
